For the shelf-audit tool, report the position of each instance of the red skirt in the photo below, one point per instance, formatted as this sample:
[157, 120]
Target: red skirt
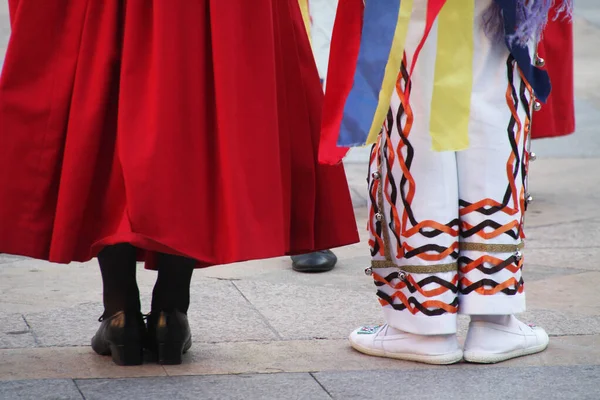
[187, 127]
[557, 116]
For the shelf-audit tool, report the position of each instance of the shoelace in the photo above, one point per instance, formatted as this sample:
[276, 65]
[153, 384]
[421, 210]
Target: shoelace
[144, 317]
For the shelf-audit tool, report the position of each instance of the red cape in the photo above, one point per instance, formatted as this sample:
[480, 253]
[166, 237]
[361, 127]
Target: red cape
[174, 126]
[557, 116]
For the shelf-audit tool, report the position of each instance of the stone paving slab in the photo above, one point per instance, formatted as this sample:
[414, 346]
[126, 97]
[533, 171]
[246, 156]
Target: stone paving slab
[52, 389]
[465, 382]
[281, 356]
[562, 192]
[14, 332]
[549, 383]
[4, 27]
[312, 312]
[577, 258]
[66, 363]
[348, 273]
[220, 313]
[356, 175]
[72, 326]
[7, 258]
[587, 55]
[581, 234]
[242, 387]
[581, 144]
[234, 358]
[579, 350]
[577, 294]
[30, 286]
[301, 312]
[558, 323]
[535, 272]
[589, 10]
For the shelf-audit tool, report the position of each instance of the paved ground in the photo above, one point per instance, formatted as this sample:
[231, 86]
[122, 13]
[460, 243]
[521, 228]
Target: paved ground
[263, 331]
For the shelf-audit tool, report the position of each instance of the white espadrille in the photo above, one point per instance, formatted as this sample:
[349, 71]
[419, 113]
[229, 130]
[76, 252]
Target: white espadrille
[489, 343]
[381, 342]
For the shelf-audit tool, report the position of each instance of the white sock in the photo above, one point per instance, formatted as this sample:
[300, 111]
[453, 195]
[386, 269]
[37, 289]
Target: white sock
[504, 320]
[394, 331]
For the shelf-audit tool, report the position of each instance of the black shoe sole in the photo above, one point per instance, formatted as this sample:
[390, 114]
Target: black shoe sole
[127, 355]
[313, 268]
[171, 353]
[121, 338]
[320, 261]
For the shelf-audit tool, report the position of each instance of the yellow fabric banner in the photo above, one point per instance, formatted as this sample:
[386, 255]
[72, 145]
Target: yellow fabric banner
[453, 81]
[391, 70]
[305, 16]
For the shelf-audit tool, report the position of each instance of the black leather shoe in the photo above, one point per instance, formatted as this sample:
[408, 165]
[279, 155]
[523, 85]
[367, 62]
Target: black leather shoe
[121, 336]
[169, 336]
[321, 261]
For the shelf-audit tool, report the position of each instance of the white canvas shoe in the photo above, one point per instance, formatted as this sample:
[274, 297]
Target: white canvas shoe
[488, 342]
[384, 341]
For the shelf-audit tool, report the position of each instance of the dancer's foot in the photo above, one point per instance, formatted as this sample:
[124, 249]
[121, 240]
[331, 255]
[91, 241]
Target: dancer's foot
[169, 336]
[386, 341]
[320, 261]
[121, 336]
[493, 340]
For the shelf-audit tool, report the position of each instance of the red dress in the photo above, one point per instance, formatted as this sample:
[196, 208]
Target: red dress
[188, 127]
[557, 116]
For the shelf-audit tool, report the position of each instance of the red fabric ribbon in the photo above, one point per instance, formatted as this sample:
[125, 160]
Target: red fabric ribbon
[345, 45]
[433, 10]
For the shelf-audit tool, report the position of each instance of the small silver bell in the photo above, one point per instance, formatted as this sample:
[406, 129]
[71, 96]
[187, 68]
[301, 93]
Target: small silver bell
[518, 256]
[402, 275]
[537, 106]
[532, 156]
[369, 271]
[379, 216]
[539, 62]
[376, 175]
[529, 198]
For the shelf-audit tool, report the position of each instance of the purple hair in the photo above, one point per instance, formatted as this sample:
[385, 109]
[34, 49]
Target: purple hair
[532, 17]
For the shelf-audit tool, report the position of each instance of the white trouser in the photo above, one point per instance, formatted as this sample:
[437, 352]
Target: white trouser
[322, 13]
[446, 227]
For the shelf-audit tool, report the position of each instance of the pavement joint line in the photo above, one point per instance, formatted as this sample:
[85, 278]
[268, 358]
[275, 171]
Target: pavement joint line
[462, 365]
[529, 247]
[78, 389]
[563, 271]
[262, 317]
[576, 221]
[282, 340]
[570, 157]
[575, 334]
[332, 339]
[33, 334]
[358, 193]
[576, 269]
[312, 374]
[165, 370]
[580, 16]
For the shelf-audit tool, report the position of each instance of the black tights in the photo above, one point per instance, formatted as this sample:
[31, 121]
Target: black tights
[172, 288]
[120, 290]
